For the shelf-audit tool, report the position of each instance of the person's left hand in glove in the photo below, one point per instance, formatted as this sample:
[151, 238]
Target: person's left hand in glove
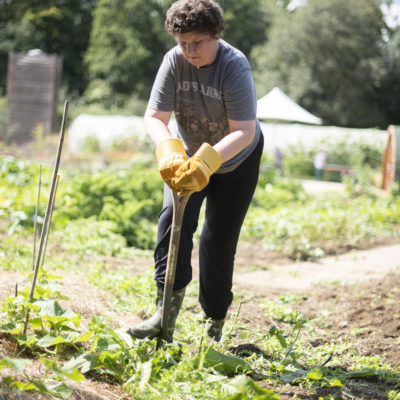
[194, 174]
[170, 154]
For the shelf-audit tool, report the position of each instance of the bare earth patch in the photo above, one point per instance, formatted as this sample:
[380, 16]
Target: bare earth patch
[354, 295]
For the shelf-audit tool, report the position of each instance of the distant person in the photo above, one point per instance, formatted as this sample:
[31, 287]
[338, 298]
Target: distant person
[278, 160]
[319, 163]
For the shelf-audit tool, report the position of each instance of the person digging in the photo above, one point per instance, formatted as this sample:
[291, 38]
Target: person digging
[212, 153]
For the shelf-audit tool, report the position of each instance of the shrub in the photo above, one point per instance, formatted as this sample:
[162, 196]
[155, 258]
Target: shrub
[131, 198]
[299, 161]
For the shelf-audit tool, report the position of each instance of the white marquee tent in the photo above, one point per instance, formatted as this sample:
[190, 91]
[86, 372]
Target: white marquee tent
[277, 106]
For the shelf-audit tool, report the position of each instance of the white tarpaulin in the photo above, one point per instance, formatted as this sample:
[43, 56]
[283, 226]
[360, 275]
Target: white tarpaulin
[277, 106]
[104, 128]
[281, 135]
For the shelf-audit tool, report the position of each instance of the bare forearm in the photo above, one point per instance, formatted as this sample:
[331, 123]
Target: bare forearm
[233, 143]
[156, 126]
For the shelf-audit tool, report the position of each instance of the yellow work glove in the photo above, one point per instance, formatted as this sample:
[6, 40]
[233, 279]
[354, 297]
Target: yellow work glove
[170, 154]
[193, 175]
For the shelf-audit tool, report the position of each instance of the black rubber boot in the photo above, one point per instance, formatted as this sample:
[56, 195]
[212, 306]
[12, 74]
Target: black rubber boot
[214, 330]
[151, 328]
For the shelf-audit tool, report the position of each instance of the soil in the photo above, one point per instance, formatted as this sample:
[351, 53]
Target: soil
[356, 294]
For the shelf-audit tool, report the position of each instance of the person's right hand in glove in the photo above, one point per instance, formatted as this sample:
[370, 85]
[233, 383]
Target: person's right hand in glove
[171, 155]
[194, 174]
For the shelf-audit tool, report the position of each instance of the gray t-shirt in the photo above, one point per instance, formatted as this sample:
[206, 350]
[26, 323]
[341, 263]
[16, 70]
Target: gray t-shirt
[203, 99]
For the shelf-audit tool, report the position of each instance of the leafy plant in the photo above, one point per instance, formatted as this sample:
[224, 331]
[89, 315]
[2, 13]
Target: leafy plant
[49, 383]
[311, 228]
[130, 198]
[88, 236]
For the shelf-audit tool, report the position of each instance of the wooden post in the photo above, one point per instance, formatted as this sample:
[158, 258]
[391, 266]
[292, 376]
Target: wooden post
[391, 158]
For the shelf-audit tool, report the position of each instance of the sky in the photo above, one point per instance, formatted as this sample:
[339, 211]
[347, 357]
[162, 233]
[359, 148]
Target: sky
[392, 13]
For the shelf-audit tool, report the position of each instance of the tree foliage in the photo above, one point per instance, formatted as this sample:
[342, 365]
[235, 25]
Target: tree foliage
[127, 44]
[337, 58]
[389, 99]
[329, 56]
[246, 22]
[54, 26]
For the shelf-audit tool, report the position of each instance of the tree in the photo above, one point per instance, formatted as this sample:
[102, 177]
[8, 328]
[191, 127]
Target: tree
[13, 36]
[54, 26]
[328, 55]
[246, 22]
[128, 41]
[389, 98]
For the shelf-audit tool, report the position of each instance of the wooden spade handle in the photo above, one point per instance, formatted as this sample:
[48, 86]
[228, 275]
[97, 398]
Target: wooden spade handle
[179, 204]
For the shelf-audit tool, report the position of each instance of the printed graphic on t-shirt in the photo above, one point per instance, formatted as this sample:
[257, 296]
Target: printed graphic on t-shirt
[197, 129]
[209, 91]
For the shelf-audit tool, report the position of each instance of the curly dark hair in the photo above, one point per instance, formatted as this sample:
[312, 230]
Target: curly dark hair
[205, 16]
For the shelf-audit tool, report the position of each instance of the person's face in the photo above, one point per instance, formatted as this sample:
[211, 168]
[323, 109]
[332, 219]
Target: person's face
[200, 49]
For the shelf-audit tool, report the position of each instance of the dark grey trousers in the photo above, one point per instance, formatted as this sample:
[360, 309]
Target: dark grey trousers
[228, 198]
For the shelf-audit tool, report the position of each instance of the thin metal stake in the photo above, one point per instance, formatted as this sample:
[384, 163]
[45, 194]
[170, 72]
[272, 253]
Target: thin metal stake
[36, 216]
[47, 214]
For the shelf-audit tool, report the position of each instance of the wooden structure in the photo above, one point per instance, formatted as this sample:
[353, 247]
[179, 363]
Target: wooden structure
[32, 87]
[343, 169]
[391, 158]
